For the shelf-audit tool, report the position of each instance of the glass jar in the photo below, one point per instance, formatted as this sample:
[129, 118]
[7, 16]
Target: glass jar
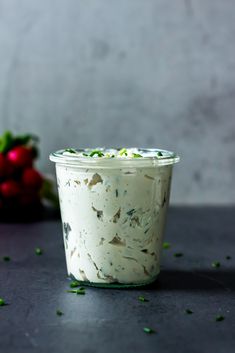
[113, 214]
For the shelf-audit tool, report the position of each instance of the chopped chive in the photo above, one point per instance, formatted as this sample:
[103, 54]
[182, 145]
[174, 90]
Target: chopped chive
[159, 154]
[74, 284]
[148, 330]
[219, 318]
[113, 155]
[215, 264]
[6, 258]
[77, 291]
[59, 313]
[85, 154]
[188, 311]
[70, 150]
[178, 254]
[116, 191]
[136, 155]
[130, 213]
[38, 251]
[94, 152]
[228, 257]
[166, 245]
[142, 299]
[123, 151]
[2, 302]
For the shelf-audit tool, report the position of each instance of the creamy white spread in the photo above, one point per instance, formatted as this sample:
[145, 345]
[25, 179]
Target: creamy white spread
[113, 220]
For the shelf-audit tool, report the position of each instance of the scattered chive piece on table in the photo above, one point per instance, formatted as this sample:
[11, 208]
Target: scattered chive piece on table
[80, 291]
[6, 258]
[148, 330]
[219, 318]
[188, 311]
[228, 257]
[215, 264]
[77, 291]
[178, 254]
[59, 313]
[166, 245]
[2, 302]
[142, 299]
[38, 251]
[70, 150]
[74, 284]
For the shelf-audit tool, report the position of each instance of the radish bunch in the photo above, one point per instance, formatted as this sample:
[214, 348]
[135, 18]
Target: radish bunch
[21, 185]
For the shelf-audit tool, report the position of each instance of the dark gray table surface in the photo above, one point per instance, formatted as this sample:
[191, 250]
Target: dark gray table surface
[112, 320]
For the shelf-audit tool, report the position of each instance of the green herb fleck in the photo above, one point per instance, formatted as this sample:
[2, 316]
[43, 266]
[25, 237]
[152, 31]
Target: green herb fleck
[94, 152]
[159, 154]
[166, 245]
[116, 192]
[228, 257]
[6, 142]
[6, 258]
[2, 302]
[77, 291]
[178, 254]
[188, 311]
[215, 264]
[146, 231]
[142, 299]
[38, 251]
[148, 330]
[123, 151]
[74, 284]
[219, 318]
[85, 154]
[136, 155]
[59, 313]
[113, 155]
[130, 213]
[70, 150]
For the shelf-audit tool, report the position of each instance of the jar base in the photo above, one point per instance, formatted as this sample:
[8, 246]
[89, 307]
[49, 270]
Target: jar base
[114, 285]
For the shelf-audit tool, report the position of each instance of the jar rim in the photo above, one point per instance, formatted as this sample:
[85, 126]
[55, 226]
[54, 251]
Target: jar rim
[73, 159]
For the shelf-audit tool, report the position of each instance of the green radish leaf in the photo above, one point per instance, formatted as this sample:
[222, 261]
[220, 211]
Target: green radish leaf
[6, 142]
[35, 152]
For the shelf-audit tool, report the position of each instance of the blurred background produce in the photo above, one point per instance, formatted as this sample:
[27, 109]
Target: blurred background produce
[24, 191]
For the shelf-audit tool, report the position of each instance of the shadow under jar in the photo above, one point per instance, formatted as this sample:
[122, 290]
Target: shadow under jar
[113, 210]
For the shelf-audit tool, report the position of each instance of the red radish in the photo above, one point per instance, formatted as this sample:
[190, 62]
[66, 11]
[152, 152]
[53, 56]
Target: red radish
[3, 165]
[6, 168]
[20, 156]
[10, 188]
[32, 179]
[28, 198]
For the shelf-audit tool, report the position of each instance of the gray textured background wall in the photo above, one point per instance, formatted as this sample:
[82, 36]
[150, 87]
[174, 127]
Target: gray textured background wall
[128, 73]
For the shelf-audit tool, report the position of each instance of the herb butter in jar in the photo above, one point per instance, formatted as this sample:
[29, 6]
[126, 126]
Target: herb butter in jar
[113, 207]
